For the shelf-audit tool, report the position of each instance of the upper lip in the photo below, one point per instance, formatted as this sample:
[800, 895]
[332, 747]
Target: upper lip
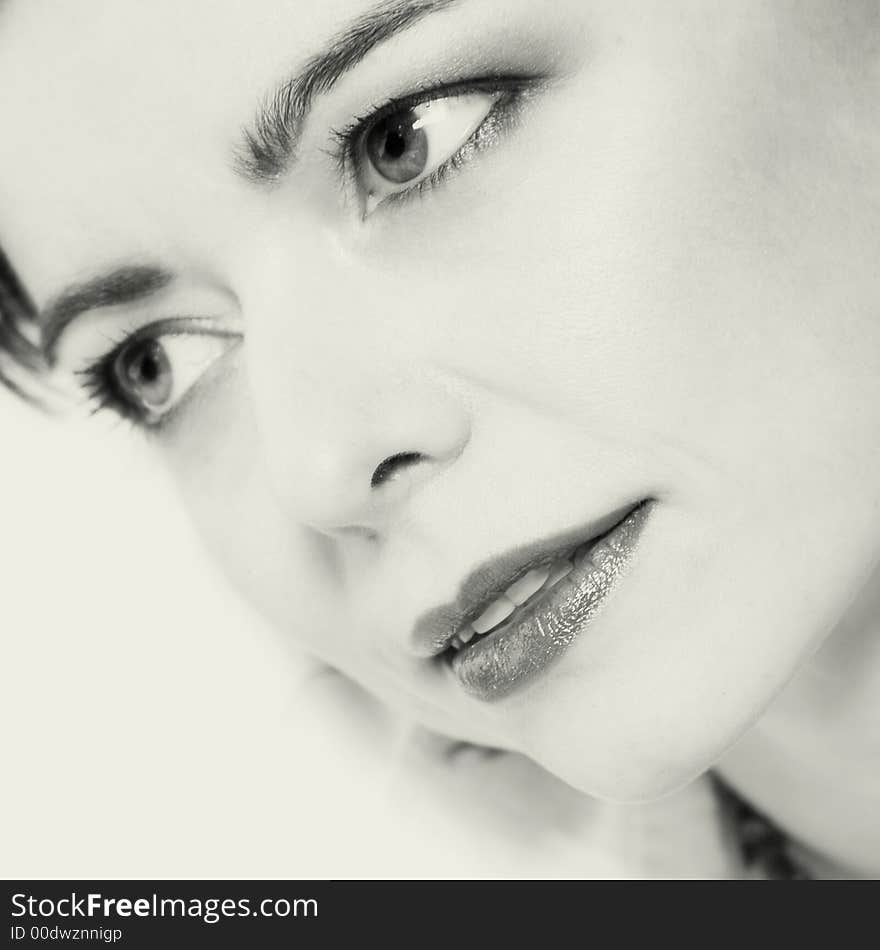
[434, 630]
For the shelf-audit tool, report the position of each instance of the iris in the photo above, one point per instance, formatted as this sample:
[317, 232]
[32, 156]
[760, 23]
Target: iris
[397, 146]
[144, 371]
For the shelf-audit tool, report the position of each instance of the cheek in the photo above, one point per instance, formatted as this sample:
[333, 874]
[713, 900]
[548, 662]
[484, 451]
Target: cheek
[578, 285]
[215, 456]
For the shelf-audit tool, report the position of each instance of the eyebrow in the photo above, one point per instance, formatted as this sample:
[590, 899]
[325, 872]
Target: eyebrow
[122, 285]
[269, 144]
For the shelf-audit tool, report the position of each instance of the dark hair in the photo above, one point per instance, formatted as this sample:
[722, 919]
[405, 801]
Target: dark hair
[22, 360]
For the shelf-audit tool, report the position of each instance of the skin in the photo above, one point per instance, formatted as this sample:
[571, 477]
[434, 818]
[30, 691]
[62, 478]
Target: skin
[662, 283]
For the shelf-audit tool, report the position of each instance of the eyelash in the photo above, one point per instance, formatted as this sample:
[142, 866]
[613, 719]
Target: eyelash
[346, 152]
[98, 381]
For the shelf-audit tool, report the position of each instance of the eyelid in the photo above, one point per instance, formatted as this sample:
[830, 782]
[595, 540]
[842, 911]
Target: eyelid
[169, 326]
[491, 84]
[150, 329]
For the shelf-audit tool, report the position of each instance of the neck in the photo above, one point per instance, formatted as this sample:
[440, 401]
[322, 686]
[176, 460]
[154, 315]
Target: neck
[812, 762]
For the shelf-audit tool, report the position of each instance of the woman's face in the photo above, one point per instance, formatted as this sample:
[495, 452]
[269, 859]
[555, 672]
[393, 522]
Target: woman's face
[489, 276]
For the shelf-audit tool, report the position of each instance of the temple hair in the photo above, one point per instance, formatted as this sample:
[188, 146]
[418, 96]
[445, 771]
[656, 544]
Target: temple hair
[22, 361]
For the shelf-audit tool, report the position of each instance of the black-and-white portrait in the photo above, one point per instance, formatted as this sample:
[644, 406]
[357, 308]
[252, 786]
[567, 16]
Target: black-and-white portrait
[440, 438]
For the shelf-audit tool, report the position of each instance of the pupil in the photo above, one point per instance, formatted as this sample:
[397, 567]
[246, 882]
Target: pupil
[395, 144]
[149, 368]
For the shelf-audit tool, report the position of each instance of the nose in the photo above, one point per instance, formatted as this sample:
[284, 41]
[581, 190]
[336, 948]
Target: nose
[352, 458]
[353, 421]
[356, 414]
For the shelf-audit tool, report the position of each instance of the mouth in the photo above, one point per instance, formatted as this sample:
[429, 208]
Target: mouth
[517, 615]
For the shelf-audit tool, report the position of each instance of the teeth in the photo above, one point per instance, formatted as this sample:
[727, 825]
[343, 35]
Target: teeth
[539, 578]
[460, 639]
[527, 585]
[558, 570]
[494, 614]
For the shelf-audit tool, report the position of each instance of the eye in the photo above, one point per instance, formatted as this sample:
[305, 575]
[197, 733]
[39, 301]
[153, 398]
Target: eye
[408, 144]
[147, 377]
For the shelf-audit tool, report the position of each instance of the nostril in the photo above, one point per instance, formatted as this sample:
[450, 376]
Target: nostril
[391, 467]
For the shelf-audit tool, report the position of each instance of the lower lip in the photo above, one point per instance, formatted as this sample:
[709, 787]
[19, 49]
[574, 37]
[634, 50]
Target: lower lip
[523, 648]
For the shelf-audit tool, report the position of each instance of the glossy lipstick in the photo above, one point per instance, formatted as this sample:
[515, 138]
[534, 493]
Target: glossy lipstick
[523, 645]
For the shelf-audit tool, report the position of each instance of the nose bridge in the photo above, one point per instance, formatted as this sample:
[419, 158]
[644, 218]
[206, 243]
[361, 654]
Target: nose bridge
[353, 418]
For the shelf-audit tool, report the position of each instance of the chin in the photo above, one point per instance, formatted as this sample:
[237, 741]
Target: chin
[636, 762]
[633, 782]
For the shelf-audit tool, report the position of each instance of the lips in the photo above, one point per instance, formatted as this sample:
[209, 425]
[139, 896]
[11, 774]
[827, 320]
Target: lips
[516, 615]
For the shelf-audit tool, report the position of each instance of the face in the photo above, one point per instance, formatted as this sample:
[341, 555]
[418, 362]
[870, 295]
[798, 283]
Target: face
[495, 293]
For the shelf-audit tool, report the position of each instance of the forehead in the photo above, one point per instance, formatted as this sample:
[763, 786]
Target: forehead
[104, 61]
[128, 111]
